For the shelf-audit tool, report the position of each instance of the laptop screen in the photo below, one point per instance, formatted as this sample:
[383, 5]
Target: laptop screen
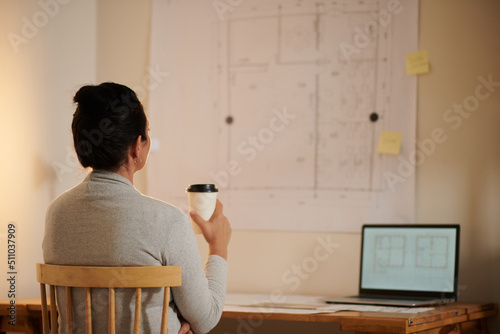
[410, 260]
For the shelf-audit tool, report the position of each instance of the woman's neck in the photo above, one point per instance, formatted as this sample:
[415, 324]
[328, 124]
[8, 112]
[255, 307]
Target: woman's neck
[127, 170]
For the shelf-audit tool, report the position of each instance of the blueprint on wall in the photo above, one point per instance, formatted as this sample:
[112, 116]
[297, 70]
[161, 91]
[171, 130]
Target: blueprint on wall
[283, 104]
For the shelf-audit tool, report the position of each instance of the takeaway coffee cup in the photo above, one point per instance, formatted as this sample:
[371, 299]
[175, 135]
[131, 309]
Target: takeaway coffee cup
[202, 198]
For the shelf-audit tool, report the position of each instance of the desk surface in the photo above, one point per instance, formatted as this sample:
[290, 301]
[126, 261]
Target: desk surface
[460, 317]
[381, 322]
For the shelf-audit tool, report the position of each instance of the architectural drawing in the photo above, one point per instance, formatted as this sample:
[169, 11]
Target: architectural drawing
[294, 56]
[389, 252]
[281, 104]
[432, 252]
[285, 54]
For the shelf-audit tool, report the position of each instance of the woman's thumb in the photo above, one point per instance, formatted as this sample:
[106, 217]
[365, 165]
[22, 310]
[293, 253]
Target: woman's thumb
[197, 219]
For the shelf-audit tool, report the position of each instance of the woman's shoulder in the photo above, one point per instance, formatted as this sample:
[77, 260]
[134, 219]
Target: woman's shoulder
[67, 197]
[170, 216]
[159, 206]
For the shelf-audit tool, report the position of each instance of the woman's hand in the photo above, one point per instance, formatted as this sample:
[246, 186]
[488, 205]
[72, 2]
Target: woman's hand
[185, 327]
[217, 231]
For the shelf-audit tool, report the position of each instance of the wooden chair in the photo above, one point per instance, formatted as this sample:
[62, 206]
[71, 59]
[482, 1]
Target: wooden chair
[103, 277]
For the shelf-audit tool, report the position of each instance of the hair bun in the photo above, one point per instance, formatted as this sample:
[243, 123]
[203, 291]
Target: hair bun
[91, 100]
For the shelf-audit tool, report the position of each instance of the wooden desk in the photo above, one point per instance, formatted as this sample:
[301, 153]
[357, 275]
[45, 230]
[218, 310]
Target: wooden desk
[28, 316]
[456, 318]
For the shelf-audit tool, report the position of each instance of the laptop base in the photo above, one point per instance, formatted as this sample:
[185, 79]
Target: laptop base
[385, 301]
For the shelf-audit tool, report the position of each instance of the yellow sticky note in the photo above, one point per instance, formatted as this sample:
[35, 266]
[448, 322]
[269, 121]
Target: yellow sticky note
[417, 63]
[389, 142]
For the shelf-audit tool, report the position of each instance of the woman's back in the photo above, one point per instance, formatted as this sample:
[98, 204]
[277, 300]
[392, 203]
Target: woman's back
[105, 221]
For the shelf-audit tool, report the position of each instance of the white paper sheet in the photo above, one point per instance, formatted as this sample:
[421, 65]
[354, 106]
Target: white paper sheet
[271, 100]
[300, 304]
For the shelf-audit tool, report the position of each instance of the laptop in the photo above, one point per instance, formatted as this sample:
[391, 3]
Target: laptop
[407, 265]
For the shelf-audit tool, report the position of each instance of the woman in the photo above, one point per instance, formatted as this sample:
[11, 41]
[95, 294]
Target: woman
[105, 221]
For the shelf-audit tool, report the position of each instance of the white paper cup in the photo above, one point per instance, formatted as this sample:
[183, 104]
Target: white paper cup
[202, 198]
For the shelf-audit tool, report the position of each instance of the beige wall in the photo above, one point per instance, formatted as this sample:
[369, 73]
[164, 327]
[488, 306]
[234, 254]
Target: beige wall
[103, 40]
[38, 77]
[457, 183]
[460, 182]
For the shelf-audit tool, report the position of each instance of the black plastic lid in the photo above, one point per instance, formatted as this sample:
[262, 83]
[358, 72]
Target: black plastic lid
[202, 188]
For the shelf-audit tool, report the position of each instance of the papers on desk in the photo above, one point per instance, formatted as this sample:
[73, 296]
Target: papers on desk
[293, 304]
[374, 308]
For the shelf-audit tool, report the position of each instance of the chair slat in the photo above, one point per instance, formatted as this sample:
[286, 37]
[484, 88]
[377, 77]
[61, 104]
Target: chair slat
[137, 318]
[121, 277]
[111, 311]
[69, 311]
[53, 310]
[45, 315]
[164, 312]
[88, 311]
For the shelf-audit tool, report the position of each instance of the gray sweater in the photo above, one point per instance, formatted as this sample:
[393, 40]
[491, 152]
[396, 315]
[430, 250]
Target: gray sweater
[105, 221]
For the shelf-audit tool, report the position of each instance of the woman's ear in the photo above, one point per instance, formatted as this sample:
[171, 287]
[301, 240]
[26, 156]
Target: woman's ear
[136, 147]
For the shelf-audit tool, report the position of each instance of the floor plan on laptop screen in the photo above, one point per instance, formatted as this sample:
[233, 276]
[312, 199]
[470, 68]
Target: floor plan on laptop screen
[413, 259]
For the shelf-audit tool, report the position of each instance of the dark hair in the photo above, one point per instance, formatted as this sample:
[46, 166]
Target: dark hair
[107, 121]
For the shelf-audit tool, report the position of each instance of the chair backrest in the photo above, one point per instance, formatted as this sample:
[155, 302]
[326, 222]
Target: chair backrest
[103, 277]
